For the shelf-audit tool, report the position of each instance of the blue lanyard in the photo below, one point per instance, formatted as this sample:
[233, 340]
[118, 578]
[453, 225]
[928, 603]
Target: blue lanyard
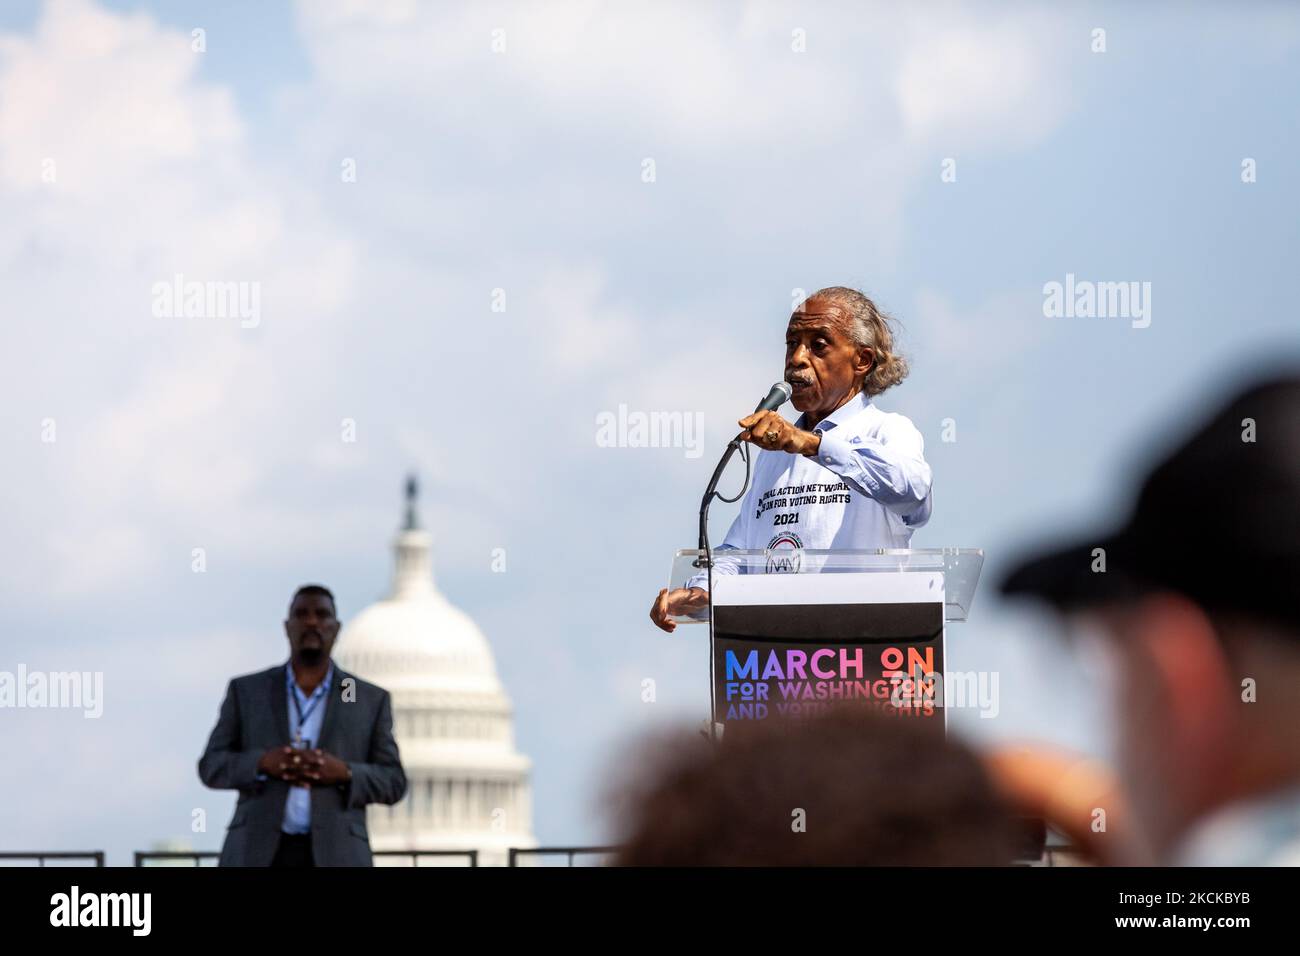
[311, 706]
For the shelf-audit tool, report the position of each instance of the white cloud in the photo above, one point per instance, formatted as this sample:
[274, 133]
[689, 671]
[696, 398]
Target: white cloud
[970, 84]
[691, 74]
[166, 427]
[108, 98]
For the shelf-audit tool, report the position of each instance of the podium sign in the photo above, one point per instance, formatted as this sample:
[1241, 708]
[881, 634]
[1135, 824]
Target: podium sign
[793, 645]
[793, 638]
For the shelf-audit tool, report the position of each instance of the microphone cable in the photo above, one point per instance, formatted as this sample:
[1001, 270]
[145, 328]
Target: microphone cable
[778, 395]
[708, 559]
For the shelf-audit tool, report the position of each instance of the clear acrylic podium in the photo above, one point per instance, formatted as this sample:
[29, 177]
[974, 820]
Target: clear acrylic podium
[960, 568]
[796, 630]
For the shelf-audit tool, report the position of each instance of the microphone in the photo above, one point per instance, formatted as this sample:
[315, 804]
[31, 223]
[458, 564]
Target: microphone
[778, 396]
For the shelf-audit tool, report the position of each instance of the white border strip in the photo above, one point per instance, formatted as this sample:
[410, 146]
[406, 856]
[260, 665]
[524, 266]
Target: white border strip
[876, 587]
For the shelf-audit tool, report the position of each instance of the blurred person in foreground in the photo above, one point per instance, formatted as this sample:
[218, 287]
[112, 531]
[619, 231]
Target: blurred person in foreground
[1194, 605]
[850, 787]
[1064, 789]
[308, 746]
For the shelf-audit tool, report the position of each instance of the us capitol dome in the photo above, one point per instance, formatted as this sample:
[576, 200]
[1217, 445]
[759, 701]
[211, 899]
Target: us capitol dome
[468, 787]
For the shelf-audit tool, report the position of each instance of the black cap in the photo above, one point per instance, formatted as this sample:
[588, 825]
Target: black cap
[1218, 520]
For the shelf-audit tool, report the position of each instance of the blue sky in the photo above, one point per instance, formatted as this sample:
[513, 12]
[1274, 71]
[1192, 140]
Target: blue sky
[776, 170]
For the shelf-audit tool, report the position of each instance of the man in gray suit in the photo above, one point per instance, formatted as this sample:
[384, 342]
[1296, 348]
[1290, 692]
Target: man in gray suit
[303, 803]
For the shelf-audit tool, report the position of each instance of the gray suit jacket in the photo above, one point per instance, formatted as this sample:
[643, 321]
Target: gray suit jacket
[255, 716]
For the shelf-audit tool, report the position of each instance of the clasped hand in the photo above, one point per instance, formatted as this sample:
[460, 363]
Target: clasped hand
[304, 767]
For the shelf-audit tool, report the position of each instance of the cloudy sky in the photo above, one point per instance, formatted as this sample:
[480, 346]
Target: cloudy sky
[384, 172]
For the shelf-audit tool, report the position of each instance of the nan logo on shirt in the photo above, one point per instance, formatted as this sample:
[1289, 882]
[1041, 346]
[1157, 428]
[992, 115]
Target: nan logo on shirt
[784, 554]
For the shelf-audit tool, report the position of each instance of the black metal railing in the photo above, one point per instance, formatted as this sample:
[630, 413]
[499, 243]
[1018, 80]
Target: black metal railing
[569, 851]
[415, 855]
[197, 857]
[95, 856]
[1053, 855]
[152, 858]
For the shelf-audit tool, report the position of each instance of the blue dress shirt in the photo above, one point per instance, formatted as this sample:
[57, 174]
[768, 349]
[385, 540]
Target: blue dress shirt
[297, 808]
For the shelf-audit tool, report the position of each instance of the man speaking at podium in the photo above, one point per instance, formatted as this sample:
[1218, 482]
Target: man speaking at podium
[851, 476]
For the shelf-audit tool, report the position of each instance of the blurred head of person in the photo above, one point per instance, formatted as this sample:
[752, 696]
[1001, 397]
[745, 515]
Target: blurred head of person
[850, 787]
[1193, 604]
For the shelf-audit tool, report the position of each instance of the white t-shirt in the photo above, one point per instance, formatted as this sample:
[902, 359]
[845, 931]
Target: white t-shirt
[868, 486]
